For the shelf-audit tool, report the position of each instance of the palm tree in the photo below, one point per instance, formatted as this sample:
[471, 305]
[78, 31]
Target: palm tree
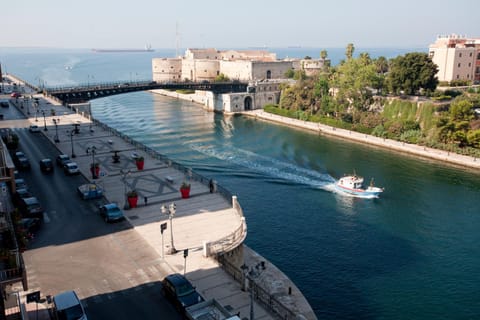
[349, 51]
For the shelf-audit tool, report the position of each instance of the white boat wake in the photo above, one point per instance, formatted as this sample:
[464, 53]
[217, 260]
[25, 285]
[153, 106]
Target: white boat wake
[270, 166]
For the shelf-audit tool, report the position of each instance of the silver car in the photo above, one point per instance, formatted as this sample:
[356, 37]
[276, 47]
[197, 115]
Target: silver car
[71, 168]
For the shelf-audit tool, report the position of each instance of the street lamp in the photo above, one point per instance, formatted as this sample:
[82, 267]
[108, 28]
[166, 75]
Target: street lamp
[251, 274]
[44, 121]
[72, 132]
[170, 211]
[36, 111]
[56, 122]
[93, 151]
[125, 173]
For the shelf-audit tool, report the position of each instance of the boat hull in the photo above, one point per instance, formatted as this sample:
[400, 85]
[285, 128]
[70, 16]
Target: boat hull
[364, 193]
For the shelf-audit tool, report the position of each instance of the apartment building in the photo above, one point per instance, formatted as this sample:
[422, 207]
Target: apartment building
[457, 58]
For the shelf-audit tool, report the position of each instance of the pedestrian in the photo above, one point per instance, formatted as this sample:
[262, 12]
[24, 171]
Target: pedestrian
[210, 184]
[145, 199]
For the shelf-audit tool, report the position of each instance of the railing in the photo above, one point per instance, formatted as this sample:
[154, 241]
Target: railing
[260, 294]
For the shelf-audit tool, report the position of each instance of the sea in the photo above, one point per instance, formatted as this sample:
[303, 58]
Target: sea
[412, 253]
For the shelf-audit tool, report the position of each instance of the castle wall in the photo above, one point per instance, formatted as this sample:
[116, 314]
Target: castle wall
[270, 70]
[200, 69]
[237, 70]
[166, 69]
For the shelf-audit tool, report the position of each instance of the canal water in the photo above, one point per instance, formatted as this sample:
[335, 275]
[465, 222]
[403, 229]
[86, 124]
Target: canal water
[413, 253]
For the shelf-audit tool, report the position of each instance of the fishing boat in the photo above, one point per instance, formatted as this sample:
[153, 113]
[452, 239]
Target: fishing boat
[353, 184]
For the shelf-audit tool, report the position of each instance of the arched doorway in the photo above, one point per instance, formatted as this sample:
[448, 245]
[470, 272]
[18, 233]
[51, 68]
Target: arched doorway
[247, 103]
[269, 74]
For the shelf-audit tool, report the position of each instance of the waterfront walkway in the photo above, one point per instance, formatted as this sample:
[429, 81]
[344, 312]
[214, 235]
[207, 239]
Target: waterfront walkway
[204, 218]
[425, 152]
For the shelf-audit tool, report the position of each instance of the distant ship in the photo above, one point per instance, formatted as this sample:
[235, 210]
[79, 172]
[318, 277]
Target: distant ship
[147, 48]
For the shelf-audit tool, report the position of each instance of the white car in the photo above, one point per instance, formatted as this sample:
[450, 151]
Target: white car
[34, 128]
[71, 168]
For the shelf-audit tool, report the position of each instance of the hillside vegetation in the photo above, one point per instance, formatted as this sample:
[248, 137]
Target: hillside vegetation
[395, 99]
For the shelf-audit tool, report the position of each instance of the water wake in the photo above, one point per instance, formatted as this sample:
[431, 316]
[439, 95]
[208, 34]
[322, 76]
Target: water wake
[269, 166]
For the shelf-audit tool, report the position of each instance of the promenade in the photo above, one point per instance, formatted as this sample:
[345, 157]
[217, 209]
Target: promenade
[425, 152]
[206, 223]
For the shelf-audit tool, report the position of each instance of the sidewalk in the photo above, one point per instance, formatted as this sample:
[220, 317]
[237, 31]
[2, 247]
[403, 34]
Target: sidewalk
[203, 218]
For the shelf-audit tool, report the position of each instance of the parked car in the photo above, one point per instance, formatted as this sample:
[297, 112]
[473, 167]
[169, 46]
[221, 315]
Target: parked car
[62, 159]
[4, 104]
[16, 95]
[180, 291]
[46, 165]
[71, 168]
[19, 195]
[67, 306]
[31, 208]
[21, 161]
[34, 128]
[20, 183]
[111, 212]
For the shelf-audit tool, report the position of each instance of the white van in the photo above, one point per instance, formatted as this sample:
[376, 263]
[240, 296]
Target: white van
[67, 306]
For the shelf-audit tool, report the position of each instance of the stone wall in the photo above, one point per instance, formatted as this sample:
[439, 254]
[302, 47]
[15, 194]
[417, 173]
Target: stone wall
[166, 69]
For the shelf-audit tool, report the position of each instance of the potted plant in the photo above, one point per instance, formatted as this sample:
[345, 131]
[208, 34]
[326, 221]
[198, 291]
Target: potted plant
[132, 197]
[140, 161]
[95, 169]
[185, 190]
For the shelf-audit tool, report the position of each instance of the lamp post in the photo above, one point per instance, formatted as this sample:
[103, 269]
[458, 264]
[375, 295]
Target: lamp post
[36, 111]
[44, 121]
[125, 173]
[56, 122]
[71, 140]
[170, 211]
[93, 150]
[251, 274]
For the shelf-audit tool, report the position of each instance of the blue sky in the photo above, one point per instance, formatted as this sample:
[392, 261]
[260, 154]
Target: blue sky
[224, 24]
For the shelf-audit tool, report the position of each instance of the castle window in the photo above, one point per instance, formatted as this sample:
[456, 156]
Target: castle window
[469, 64]
[459, 65]
[460, 55]
[471, 54]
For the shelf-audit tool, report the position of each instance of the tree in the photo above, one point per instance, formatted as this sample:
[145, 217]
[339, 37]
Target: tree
[323, 54]
[349, 51]
[412, 72]
[461, 110]
[221, 78]
[289, 74]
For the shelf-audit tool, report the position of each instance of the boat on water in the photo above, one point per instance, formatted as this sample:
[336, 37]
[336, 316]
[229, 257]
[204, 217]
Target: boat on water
[353, 184]
[147, 48]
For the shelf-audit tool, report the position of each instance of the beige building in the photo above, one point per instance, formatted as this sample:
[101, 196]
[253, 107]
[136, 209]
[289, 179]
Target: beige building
[457, 58]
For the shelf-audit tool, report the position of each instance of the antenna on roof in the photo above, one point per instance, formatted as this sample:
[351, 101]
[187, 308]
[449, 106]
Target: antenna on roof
[177, 36]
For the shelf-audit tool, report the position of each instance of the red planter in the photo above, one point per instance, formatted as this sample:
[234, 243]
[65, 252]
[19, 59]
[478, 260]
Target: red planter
[185, 193]
[140, 164]
[132, 202]
[97, 171]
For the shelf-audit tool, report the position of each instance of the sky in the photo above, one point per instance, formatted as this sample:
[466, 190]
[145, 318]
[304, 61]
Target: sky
[235, 24]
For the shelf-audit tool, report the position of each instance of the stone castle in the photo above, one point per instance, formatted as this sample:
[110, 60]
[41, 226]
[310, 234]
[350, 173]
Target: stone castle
[260, 68]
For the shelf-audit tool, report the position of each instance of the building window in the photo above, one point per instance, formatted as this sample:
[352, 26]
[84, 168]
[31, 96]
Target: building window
[471, 54]
[459, 65]
[458, 77]
[469, 64]
[478, 56]
[460, 55]
[468, 76]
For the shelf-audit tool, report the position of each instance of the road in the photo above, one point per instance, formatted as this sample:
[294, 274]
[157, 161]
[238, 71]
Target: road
[114, 271]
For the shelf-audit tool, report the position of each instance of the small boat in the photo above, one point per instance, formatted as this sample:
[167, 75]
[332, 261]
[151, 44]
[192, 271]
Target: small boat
[353, 185]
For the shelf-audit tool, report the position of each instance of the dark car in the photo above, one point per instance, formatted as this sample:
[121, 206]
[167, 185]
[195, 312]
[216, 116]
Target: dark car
[31, 208]
[20, 183]
[46, 165]
[19, 195]
[180, 291]
[62, 159]
[21, 161]
[4, 104]
[111, 212]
